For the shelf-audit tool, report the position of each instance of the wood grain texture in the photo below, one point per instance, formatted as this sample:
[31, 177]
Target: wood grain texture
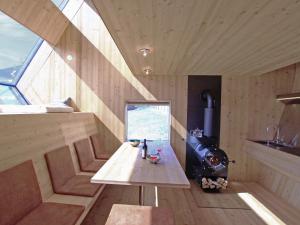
[25, 137]
[249, 106]
[278, 172]
[126, 167]
[99, 81]
[42, 17]
[205, 37]
[282, 162]
[265, 206]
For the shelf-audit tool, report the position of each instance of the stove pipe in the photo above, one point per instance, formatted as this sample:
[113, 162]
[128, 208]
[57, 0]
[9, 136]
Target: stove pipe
[208, 113]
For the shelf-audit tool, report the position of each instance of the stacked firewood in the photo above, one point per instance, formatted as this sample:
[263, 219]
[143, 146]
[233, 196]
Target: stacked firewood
[219, 183]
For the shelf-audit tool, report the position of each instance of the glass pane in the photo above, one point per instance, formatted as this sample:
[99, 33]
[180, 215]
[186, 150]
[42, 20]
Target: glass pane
[60, 3]
[148, 121]
[16, 45]
[10, 96]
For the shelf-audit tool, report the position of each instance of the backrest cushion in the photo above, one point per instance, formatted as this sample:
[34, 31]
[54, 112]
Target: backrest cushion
[60, 166]
[84, 152]
[19, 192]
[98, 145]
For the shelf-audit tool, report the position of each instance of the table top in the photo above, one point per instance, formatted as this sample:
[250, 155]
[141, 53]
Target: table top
[126, 167]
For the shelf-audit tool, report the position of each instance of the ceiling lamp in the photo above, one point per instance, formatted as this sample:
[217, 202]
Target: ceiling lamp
[147, 71]
[145, 51]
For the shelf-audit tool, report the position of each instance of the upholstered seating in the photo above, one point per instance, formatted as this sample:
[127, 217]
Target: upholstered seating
[21, 201]
[98, 146]
[63, 176]
[53, 214]
[139, 215]
[87, 161]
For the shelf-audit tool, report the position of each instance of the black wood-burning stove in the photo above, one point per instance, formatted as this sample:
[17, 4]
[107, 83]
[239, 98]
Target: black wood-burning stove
[206, 162]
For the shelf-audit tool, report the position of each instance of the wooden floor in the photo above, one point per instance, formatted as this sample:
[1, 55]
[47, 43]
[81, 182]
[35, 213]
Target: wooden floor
[242, 203]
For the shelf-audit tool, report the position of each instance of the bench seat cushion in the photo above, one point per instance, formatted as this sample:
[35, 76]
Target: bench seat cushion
[19, 193]
[86, 158]
[139, 215]
[79, 185]
[99, 147]
[94, 166]
[60, 166]
[53, 214]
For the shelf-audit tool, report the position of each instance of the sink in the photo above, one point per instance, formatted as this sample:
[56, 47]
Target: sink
[272, 144]
[279, 146]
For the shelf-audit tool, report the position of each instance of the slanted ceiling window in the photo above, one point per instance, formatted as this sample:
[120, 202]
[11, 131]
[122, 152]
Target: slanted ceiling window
[60, 3]
[18, 45]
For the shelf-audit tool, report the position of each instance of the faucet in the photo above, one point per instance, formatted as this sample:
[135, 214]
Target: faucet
[270, 133]
[294, 141]
[277, 137]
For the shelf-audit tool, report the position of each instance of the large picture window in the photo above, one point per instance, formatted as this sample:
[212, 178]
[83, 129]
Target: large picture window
[148, 120]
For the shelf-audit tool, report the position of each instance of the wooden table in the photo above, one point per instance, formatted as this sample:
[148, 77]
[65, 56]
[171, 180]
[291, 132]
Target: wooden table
[126, 167]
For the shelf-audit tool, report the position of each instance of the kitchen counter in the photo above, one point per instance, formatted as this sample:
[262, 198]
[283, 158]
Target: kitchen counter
[282, 161]
[290, 150]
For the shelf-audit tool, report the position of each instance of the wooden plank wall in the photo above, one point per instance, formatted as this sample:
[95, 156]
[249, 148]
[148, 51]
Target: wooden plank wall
[99, 81]
[284, 186]
[24, 137]
[249, 105]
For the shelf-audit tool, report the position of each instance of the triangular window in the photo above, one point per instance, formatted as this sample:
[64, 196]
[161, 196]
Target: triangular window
[18, 45]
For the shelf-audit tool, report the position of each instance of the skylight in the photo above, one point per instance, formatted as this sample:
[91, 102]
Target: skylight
[17, 44]
[60, 3]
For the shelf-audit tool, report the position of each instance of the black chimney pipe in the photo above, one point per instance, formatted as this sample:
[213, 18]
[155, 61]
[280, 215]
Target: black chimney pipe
[208, 113]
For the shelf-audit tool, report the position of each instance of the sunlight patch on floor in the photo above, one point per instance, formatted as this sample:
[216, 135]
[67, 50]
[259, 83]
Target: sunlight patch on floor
[263, 212]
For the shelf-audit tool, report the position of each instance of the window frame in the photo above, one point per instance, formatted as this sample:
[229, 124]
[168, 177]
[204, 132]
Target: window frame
[167, 102]
[29, 58]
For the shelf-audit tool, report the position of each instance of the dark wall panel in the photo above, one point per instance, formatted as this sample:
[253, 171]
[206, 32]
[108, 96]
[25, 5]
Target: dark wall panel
[195, 112]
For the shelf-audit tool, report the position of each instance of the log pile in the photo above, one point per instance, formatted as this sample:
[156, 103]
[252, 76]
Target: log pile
[219, 183]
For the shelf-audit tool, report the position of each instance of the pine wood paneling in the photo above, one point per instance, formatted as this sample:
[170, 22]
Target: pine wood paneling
[256, 206]
[205, 36]
[99, 81]
[249, 106]
[24, 137]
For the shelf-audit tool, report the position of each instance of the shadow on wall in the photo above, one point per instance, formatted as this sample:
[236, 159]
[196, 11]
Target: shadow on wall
[104, 82]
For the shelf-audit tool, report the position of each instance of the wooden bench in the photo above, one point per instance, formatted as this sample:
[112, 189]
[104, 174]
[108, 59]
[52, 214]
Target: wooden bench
[139, 215]
[30, 136]
[21, 201]
[86, 157]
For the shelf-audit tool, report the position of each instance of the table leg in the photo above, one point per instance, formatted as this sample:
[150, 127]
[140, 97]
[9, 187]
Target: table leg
[141, 195]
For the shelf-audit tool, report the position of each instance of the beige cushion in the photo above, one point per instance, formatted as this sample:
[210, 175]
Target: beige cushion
[60, 166]
[139, 215]
[19, 193]
[79, 185]
[53, 214]
[63, 177]
[99, 148]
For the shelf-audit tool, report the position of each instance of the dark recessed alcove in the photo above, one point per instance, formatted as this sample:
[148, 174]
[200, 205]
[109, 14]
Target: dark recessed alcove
[196, 106]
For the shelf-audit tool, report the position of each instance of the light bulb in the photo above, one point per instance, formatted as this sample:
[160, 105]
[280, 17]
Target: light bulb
[69, 57]
[147, 71]
[145, 51]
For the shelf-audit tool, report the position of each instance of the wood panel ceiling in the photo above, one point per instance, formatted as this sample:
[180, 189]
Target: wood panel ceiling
[205, 36]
